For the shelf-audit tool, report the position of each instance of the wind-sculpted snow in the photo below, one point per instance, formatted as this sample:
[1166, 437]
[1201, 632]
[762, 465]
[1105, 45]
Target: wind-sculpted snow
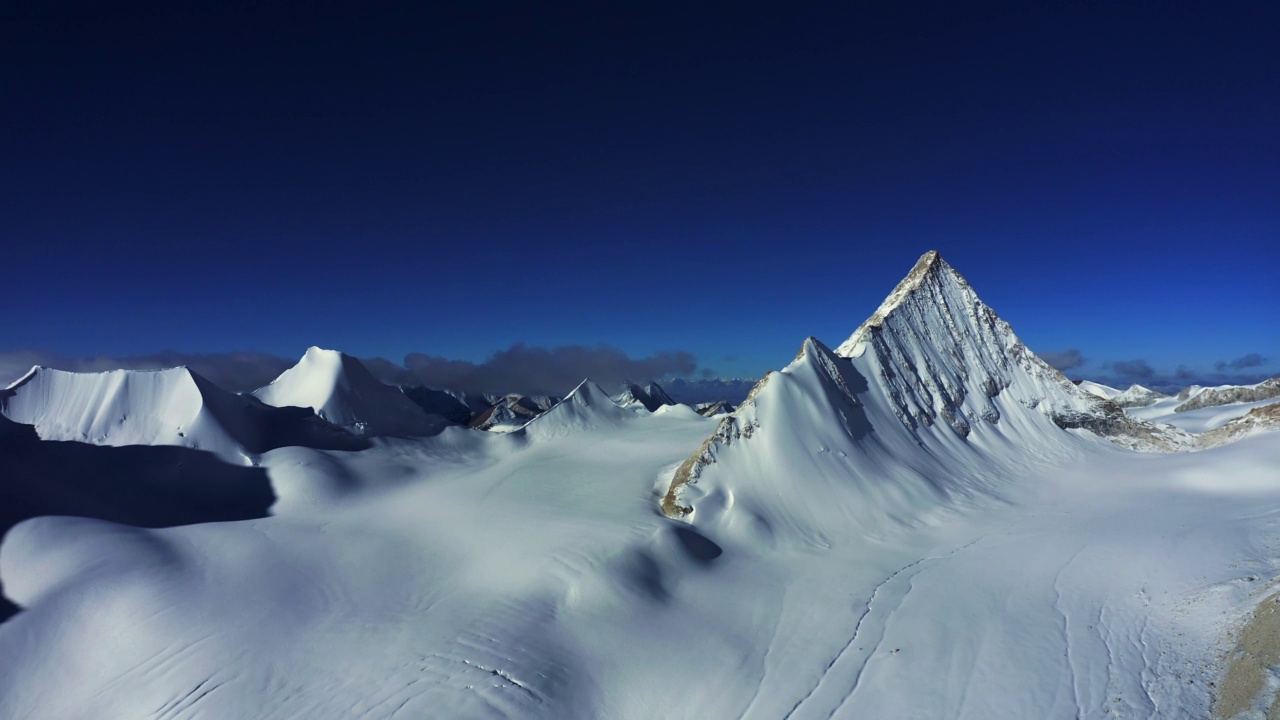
[160, 407]
[342, 391]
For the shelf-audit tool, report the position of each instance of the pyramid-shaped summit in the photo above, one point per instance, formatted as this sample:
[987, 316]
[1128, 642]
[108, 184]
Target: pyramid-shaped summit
[940, 353]
[933, 397]
[340, 389]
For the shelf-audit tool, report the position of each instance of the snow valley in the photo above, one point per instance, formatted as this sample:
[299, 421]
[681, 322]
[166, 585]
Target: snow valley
[927, 521]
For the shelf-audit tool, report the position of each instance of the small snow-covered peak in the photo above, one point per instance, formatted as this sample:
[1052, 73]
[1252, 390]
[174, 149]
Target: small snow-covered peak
[586, 408]
[588, 394]
[1137, 396]
[340, 389]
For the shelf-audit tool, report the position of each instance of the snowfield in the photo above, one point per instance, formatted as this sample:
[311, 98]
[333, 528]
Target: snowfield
[928, 522]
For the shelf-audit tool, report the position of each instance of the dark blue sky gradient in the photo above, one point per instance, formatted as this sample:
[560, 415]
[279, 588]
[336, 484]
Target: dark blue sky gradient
[456, 178]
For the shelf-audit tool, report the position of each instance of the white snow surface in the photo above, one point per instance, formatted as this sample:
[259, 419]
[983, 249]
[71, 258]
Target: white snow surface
[474, 575]
[340, 389]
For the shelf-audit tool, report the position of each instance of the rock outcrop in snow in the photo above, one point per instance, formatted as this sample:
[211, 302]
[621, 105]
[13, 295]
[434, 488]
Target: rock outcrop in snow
[650, 398]
[1137, 396]
[711, 409]
[1258, 420]
[511, 412]
[160, 407]
[1228, 394]
[933, 385]
[340, 389]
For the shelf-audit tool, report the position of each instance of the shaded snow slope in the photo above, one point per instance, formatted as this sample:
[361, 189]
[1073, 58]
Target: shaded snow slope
[159, 407]
[340, 389]
[440, 402]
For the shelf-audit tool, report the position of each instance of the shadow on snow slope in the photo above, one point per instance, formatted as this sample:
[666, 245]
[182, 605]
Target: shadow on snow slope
[135, 485]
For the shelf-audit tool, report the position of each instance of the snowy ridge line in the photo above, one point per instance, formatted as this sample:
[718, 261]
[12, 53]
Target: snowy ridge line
[1229, 394]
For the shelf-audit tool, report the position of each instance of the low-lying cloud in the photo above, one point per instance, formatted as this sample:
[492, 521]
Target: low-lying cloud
[1135, 369]
[525, 369]
[520, 368]
[1064, 360]
[1251, 360]
[1122, 373]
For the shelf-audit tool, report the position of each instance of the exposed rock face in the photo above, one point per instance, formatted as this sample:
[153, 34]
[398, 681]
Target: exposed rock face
[1258, 420]
[650, 398]
[508, 412]
[1137, 396]
[1212, 397]
[711, 409]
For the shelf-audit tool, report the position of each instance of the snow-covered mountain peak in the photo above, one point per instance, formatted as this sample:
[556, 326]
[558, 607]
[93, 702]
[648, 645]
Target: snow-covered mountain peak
[933, 378]
[340, 389]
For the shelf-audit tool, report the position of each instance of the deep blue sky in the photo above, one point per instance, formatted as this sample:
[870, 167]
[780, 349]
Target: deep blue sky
[453, 179]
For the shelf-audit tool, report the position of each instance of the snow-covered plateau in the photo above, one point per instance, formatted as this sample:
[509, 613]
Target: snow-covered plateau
[926, 522]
